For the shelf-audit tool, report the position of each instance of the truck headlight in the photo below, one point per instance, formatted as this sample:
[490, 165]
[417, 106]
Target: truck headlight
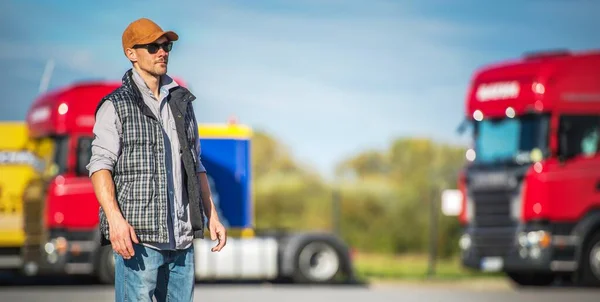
[532, 243]
[538, 239]
[49, 248]
[522, 238]
[464, 242]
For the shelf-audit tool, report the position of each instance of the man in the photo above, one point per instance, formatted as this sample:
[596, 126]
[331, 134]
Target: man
[148, 175]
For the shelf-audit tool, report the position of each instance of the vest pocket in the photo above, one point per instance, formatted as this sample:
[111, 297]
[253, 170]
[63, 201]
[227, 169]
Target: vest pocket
[123, 192]
[137, 204]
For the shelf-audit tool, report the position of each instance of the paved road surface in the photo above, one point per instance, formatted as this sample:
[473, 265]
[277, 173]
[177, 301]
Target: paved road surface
[292, 293]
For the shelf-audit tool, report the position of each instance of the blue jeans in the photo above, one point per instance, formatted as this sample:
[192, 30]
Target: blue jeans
[166, 275]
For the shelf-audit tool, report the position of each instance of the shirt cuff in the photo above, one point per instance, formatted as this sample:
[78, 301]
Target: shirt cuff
[97, 165]
[200, 167]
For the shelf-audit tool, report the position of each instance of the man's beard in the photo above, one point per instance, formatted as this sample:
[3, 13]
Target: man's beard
[160, 72]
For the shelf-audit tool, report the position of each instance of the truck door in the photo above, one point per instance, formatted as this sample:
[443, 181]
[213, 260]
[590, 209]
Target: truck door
[80, 188]
[574, 178]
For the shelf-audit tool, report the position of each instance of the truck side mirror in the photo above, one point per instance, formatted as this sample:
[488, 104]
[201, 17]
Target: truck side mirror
[81, 165]
[463, 127]
[562, 148]
[84, 153]
[564, 151]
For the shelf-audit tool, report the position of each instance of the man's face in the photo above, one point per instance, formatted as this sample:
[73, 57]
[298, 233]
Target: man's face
[150, 58]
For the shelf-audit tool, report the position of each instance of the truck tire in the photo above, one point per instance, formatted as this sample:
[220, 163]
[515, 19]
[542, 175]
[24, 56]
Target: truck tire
[317, 261]
[106, 265]
[590, 261]
[531, 279]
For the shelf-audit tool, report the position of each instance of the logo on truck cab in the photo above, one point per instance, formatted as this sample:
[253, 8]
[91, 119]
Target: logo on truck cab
[21, 158]
[498, 91]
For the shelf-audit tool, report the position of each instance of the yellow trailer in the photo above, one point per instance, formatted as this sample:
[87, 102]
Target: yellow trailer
[20, 163]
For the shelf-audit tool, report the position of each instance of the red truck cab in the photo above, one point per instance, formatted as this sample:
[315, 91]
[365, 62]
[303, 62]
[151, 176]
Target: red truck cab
[531, 185]
[61, 233]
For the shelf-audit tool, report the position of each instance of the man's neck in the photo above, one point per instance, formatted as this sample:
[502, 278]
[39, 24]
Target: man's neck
[151, 81]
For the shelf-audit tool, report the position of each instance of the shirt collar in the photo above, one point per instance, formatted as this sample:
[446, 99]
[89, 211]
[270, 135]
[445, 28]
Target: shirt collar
[166, 82]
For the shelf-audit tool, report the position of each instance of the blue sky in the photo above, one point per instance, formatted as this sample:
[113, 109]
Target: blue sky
[329, 78]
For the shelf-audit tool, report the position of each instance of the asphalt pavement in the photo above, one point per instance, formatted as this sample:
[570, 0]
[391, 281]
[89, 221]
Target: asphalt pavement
[298, 293]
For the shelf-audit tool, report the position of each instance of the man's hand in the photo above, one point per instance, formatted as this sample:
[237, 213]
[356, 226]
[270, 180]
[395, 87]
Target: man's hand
[217, 231]
[121, 233]
[121, 236]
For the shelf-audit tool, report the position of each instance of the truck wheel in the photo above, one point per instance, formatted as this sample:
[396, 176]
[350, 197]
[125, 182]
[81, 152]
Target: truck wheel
[531, 279]
[316, 262]
[590, 261]
[106, 265]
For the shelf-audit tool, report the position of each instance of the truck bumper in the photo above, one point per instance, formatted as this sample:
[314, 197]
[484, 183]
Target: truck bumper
[519, 251]
[62, 253]
[10, 258]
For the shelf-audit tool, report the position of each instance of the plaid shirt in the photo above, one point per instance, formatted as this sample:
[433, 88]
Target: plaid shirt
[140, 173]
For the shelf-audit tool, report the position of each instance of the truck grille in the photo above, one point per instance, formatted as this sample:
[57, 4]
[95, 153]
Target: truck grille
[494, 225]
[493, 244]
[492, 209]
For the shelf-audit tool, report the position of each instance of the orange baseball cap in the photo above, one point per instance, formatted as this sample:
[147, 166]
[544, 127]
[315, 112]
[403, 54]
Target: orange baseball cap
[144, 31]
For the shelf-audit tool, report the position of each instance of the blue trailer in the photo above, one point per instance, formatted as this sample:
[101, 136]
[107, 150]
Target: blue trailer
[272, 255]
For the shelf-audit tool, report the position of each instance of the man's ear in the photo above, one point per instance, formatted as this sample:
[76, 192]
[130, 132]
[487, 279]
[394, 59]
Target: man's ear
[131, 55]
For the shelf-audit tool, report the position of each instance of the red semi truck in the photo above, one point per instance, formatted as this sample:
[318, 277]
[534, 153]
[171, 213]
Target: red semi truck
[531, 185]
[61, 211]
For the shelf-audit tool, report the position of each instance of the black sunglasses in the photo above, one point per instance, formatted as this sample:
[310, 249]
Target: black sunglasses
[153, 47]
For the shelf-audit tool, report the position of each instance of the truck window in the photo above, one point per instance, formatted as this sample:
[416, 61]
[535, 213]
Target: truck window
[582, 132]
[61, 151]
[84, 153]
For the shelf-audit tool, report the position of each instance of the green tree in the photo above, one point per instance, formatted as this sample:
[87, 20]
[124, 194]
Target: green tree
[287, 195]
[385, 194]
[413, 171]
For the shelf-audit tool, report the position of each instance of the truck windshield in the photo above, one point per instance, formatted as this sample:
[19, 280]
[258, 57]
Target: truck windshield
[53, 149]
[510, 140]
